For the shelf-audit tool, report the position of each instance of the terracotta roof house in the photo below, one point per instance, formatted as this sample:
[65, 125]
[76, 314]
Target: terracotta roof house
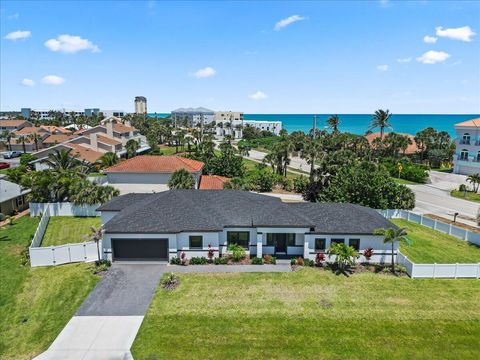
[57, 139]
[56, 129]
[152, 227]
[17, 144]
[145, 169]
[12, 125]
[212, 182]
[411, 149]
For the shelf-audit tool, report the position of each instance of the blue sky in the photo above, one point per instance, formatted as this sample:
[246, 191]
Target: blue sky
[257, 57]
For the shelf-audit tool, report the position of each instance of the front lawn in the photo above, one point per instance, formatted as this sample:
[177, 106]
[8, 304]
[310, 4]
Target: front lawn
[311, 314]
[68, 229]
[431, 246]
[35, 303]
[469, 195]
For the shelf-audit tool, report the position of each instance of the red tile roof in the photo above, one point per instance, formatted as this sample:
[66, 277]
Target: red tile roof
[84, 153]
[212, 182]
[473, 122]
[30, 130]
[10, 123]
[121, 128]
[53, 129]
[156, 164]
[58, 138]
[411, 149]
[108, 140]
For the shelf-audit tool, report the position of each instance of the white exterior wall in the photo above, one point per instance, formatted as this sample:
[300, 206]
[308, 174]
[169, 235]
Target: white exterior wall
[471, 165]
[223, 238]
[211, 238]
[272, 126]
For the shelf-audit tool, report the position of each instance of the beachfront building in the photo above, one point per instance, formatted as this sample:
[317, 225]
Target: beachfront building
[234, 117]
[44, 114]
[192, 116]
[140, 105]
[466, 160]
[273, 126]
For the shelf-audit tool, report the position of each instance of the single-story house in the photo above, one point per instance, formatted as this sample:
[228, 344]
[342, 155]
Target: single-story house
[12, 197]
[212, 182]
[161, 226]
[12, 125]
[146, 169]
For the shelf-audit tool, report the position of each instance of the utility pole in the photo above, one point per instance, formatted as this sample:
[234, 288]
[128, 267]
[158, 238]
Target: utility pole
[314, 126]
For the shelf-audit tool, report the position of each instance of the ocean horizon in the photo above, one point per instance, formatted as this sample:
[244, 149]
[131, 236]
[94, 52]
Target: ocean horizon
[360, 123]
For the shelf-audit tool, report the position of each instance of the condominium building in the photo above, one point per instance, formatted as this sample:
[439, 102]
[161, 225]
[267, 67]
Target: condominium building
[235, 117]
[467, 142]
[44, 114]
[273, 126]
[140, 105]
[192, 116]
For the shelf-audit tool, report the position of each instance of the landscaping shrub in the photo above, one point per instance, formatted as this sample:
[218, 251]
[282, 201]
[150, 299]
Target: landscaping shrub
[170, 281]
[299, 261]
[238, 252]
[287, 184]
[344, 255]
[210, 253]
[183, 258]
[300, 183]
[293, 261]
[101, 266]
[368, 253]
[410, 171]
[220, 261]
[308, 262]
[269, 259]
[175, 261]
[319, 259]
[198, 260]
[257, 261]
[462, 188]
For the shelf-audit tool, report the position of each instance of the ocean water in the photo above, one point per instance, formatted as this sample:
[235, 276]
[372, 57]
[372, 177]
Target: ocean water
[360, 123]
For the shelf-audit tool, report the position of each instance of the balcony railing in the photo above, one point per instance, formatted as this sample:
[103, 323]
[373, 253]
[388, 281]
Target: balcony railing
[462, 158]
[465, 142]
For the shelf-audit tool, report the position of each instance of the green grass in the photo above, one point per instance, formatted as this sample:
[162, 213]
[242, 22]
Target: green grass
[469, 195]
[35, 303]
[96, 174]
[430, 246]
[404, 181]
[68, 229]
[311, 314]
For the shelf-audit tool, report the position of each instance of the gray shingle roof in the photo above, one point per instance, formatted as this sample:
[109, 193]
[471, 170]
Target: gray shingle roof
[211, 210]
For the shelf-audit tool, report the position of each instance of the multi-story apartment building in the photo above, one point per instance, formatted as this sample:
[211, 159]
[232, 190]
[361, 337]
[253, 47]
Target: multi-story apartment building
[27, 113]
[140, 105]
[272, 126]
[192, 116]
[467, 142]
[236, 117]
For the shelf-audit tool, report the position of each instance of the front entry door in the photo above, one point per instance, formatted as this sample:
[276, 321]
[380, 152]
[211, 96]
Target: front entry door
[280, 243]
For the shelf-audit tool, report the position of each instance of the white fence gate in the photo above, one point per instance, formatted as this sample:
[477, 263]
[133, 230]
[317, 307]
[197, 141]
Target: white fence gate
[62, 254]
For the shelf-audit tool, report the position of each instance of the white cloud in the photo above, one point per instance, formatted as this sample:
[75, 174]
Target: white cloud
[259, 95]
[404, 60]
[433, 57]
[382, 68]
[287, 21]
[462, 33]
[204, 73]
[429, 39]
[18, 35]
[53, 80]
[28, 82]
[70, 44]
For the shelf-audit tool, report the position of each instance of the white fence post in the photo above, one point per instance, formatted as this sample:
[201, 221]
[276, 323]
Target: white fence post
[434, 269]
[434, 224]
[449, 229]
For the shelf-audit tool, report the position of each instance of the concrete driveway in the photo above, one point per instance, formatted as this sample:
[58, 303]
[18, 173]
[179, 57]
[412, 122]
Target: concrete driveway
[107, 322]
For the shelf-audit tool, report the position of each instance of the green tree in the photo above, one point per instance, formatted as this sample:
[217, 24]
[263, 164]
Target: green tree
[108, 159]
[131, 146]
[381, 120]
[8, 136]
[35, 138]
[474, 179]
[22, 139]
[345, 256]
[96, 234]
[181, 179]
[333, 122]
[393, 236]
[62, 160]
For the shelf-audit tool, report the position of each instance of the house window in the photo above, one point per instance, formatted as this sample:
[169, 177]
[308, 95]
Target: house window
[320, 244]
[272, 239]
[241, 238]
[464, 155]
[337, 241]
[195, 242]
[466, 139]
[354, 243]
[478, 156]
[19, 201]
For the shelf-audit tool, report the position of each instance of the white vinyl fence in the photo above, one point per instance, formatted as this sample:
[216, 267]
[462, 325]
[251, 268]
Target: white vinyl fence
[62, 254]
[436, 270]
[63, 209]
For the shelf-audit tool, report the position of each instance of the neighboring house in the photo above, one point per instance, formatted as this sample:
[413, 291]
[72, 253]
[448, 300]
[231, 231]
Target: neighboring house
[411, 148]
[57, 139]
[192, 116]
[163, 225]
[25, 132]
[151, 170]
[12, 197]
[235, 117]
[12, 125]
[466, 160]
[212, 182]
[56, 130]
[273, 126]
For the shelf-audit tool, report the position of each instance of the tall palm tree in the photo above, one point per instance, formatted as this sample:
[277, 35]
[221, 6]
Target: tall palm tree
[474, 179]
[181, 179]
[381, 120]
[35, 138]
[8, 135]
[131, 146]
[393, 236]
[96, 234]
[108, 159]
[62, 160]
[333, 122]
[22, 139]
[310, 153]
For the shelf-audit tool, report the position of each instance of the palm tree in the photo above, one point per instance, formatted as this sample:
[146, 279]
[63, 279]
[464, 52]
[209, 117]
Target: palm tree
[62, 160]
[181, 179]
[108, 159]
[392, 236]
[8, 135]
[35, 138]
[96, 234]
[131, 146]
[310, 152]
[474, 179]
[333, 122]
[380, 120]
[22, 139]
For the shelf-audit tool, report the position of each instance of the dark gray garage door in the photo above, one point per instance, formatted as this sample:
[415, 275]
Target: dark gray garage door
[140, 249]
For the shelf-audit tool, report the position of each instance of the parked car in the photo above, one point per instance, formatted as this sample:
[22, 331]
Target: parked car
[12, 154]
[4, 165]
